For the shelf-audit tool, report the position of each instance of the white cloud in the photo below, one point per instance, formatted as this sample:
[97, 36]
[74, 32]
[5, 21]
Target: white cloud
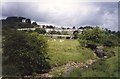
[66, 13]
[59, 0]
[110, 20]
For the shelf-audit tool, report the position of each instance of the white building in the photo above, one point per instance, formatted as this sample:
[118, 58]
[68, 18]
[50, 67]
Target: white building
[26, 29]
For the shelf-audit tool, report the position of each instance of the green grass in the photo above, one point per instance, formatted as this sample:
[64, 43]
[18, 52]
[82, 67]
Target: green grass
[107, 68]
[67, 51]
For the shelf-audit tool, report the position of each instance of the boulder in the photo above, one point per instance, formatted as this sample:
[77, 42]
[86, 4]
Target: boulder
[99, 52]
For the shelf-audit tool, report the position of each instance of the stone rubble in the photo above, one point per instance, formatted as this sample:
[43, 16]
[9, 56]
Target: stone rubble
[69, 68]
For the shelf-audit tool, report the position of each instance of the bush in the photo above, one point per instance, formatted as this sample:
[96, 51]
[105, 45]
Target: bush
[83, 42]
[91, 46]
[54, 32]
[26, 51]
[75, 33]
[64, 33]
[111, 40]
[108, 43]
[40, 30]
[98, 37]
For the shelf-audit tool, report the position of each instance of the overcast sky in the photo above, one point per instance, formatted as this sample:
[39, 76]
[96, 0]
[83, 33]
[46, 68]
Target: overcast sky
[65, 13]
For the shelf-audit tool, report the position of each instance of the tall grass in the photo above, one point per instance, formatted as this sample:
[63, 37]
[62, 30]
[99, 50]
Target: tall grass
[67, 51]
[106, 68]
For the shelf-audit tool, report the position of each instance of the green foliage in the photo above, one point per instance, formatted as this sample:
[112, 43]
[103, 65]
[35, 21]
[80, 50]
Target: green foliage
[83, 42]
[15, 25]
[76, 34]
[54, 32]
[24, 25]
[98, 36]
[102, 68]
[40, 30]
[110, 51]
[76, 73]
[27, 52]
[99, 69]
[111, 40]
[16, 22]
[64, 33]
[108, 43]
[93, 35]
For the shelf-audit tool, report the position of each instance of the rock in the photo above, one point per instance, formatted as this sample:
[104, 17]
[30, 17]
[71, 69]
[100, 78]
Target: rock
[105, 56]
[86, 66]
[99, 52]
[89, 62]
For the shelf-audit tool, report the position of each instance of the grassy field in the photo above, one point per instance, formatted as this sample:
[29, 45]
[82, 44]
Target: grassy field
[66, 51]
[106, 68]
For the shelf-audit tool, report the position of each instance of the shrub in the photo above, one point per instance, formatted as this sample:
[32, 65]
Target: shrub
[83, 42]
[76, 34]
[91, 46]
[40, 30]
[26, 51]
[99, 37]
[54, 32]
[108, 43]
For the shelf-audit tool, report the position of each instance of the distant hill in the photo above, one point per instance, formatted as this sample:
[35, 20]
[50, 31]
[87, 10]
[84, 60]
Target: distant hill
[15, 22]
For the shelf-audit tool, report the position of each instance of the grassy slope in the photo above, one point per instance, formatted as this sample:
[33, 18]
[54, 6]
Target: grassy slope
[107, 68]
[67, 51]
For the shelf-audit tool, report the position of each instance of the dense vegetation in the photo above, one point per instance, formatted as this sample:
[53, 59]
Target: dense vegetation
[99, 37]
[25, 53]
[15, 22]
[103, 68]
[40, 30]
[110, 45]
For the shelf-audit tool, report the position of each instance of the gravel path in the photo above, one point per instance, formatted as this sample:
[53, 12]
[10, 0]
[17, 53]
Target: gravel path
[68, 68]
[73, 65]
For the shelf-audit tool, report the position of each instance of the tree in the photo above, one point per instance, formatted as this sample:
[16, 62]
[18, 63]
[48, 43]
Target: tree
[34, 23]
[28, 21]
[68, 28]
[99, 37]
[111, 40]
[16, 22]
[12, 19]
[95, 35]
[75, 33]
[62, 28]
[26, 51]
[88, 27]
[73, 27]
[21, 18]
[40, 30]
[50, 27]
[81, 27]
